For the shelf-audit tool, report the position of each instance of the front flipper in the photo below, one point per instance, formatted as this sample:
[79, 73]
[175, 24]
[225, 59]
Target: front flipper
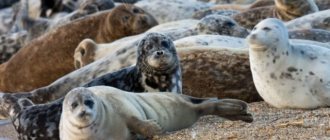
[145, 128]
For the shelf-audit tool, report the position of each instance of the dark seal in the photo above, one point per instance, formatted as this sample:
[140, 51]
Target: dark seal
[157, 68]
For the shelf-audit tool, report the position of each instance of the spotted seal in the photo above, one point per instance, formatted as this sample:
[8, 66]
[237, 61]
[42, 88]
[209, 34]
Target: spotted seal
[318, 20]
[288, 75]
[182, 9]
[54, 46]
[284, 9]
[157, 68]
[89, 110]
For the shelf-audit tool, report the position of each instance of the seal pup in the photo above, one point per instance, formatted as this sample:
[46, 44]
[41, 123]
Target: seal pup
[157, 68]
[285, 10]
[54, 46]
[107, 113]
[288, 75]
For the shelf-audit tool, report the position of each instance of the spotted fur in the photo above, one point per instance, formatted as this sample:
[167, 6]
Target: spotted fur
[143, 77]
[288, 74]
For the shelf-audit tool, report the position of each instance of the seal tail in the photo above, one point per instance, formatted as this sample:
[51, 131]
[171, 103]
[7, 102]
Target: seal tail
[231, 109]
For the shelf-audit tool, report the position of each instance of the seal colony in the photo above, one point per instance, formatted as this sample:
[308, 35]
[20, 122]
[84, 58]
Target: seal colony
[97, 110]
[57, 49]
[288, 75]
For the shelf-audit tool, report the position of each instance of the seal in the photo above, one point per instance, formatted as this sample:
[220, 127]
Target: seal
[279, 68]
[10, 44]
[229, 1]
[41, 121]
[36, 27]
[231, 8]
[157, 68]
[182, 10]
[89, 113]
[7, 3]
[318, 20]
[318, 35]
[285, 10]
[102, 27]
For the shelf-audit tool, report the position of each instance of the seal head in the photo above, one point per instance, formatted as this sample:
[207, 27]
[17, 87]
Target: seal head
[156, 53]
[79, 107]
[268, 34]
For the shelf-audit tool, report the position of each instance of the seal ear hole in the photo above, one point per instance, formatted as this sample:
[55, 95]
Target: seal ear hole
[266, 29]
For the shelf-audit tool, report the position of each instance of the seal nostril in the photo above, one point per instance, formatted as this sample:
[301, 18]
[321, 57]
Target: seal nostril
[160, 53]
[253, 36]
[82, 113]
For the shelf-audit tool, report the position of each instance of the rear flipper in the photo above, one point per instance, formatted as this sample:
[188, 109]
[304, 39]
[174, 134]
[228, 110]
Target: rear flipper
[196, 100]
[231, 109]
[11, 106]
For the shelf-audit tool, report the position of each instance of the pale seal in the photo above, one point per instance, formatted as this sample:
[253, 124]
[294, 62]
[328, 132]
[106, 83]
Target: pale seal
[288, 75]
[318, 20]
[55, 46]
[41, 121]
[284, 9]
[182, 9]
[318, 35]
[108, 113]
[157, 68]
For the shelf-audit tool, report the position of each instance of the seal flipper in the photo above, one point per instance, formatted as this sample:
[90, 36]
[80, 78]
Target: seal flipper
[12, 105]
[145, 128]
[196, 100]
[231, 109]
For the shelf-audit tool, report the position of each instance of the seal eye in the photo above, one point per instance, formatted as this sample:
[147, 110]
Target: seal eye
[165, 44]
[266, 29]
[74, 105]
[149, 47]
[229, 24]
[135, 11]
[89, 103]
